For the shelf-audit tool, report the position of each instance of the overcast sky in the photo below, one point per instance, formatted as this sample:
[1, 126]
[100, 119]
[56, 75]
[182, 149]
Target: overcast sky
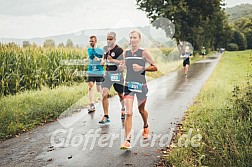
[41, 18]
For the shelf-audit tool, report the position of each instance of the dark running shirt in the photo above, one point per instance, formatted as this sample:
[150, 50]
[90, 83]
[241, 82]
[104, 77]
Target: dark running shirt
[115, 53]
[135, 58]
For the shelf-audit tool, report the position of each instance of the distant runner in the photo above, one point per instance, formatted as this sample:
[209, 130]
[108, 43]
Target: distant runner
[186, 54]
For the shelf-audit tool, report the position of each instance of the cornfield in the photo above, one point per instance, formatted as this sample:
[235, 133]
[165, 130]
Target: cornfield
[33, 67]
[30, 68]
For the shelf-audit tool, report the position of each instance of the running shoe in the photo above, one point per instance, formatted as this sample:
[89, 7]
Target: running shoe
[126, 146]
[145, 133]
[92, 108]
[104, 120]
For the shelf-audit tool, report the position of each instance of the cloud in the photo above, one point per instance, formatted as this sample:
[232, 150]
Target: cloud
[37, 18]
[35, 7]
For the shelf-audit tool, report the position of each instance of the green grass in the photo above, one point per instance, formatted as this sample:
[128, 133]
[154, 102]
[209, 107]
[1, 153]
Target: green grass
[27, 110]
[222, 115]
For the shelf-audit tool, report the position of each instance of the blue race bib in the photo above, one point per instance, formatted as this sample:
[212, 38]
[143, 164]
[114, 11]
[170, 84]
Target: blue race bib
[135, 87]
[115, 77]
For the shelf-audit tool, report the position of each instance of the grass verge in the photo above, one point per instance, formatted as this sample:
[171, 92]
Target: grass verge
[24, 111]
[217, 128]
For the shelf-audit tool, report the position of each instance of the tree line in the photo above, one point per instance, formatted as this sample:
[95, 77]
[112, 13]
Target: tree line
[51, 43]
[202, 23]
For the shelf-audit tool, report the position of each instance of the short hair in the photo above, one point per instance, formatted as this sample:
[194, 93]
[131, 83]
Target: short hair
[135, 31]
[112, 34]
[93, 36]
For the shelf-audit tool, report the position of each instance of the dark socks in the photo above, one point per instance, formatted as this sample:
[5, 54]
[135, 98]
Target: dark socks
[146, 126]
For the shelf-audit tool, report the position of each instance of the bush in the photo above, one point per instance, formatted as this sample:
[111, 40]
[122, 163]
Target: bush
[240, 39]
[232, 47]
[242, 100]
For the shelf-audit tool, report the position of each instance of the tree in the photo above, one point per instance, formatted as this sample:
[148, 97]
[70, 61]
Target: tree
[26, 44]
[49, 43]
[224, 36]
[34, 44]
[248, 35]
[199, 22]
[61, 45]
[12, 44]
[239, 39]
[69, 43]
[244, 25]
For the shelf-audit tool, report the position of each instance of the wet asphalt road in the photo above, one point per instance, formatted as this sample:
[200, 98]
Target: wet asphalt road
[80, 140]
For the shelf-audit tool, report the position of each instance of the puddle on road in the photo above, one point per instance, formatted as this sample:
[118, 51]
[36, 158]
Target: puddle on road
[212, 57]
[195, 70]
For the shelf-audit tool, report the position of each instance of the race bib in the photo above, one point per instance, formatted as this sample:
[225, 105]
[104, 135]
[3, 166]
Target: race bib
[135, 87]
[115, 77]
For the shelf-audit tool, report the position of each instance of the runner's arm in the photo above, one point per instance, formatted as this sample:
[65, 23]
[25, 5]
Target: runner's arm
[110, 59]
[88, 58]
[102, 60]
[122, 66]
[150, 60]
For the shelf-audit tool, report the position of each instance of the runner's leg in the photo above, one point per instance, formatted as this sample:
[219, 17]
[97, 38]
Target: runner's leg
[105, 103]
[143, 112]
[91, 92]
[129, 111]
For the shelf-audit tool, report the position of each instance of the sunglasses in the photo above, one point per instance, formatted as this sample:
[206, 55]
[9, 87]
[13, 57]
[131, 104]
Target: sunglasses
[110, 39]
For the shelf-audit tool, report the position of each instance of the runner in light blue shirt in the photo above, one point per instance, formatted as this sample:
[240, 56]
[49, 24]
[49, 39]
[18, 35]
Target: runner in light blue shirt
[95, 70]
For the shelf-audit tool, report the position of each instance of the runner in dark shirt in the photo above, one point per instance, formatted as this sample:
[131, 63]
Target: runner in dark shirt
[135, 59]
[113, 75]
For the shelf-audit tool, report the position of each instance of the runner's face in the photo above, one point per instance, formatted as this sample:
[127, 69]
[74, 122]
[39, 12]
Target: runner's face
[110, 41]
[134, 39]
[187, 49]
[92, 42]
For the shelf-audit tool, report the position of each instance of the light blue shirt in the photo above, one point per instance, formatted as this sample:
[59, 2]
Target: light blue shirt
[94, 66]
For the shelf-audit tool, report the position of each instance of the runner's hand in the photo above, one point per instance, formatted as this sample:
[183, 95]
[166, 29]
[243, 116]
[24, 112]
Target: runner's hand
[102, 63]
[110, 59]
[137, 67]
[121, 66]
[97, 59]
